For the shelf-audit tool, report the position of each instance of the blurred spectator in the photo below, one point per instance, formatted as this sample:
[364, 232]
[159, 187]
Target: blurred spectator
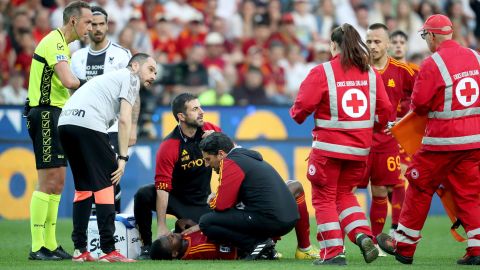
[42, 24]
[326, 20]
[141, 40]
[287, 32]
[23, 60]
[126, 39]
[255, 58]
[112, 29]
[252, 90]
[261, 7]
[362, 15]
[475, 5]
[191, 75]
[219, 25]
[241, 23]
[20, 21]
[261, 33]
[296, 69]
[382, 9]
[4, 52]
[218, 93]
[163, 43]
[427, 8]
[193, 34]
[417, 58]
[14, 93]
[101, 3]
[461, 32]
[147, 108]
[305, 23]
[56, 17]
[122, 10]
[150, 11]
[345, 11]
[275, 83]
[321, 53]
[274, 12]
[181, 14]
[31, 7]
[214, 43]
[5, 8]
[209, 12]
[410, 23]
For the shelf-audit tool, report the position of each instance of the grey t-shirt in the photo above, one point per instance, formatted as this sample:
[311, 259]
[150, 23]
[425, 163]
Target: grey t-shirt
[97, 103]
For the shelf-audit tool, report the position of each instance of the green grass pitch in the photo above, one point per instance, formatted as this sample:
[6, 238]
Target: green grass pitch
[437, 250]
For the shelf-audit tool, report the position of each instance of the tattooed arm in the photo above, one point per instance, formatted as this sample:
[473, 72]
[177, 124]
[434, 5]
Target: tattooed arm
[135, 115]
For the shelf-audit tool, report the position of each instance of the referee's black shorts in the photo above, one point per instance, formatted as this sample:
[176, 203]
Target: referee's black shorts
[90, 155]
[42, 125]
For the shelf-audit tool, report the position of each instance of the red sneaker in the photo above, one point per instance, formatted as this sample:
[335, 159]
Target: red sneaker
[82, 257]
[115, 256]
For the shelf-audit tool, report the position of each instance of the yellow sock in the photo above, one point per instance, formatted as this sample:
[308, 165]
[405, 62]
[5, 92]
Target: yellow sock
[51, 222]
[38, 214]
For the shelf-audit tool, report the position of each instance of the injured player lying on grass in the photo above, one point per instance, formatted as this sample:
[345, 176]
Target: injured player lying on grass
[188, 243]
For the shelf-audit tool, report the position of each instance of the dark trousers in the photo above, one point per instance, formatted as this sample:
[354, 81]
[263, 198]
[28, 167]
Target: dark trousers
[145, 202]
[241, 228]
[113, 136]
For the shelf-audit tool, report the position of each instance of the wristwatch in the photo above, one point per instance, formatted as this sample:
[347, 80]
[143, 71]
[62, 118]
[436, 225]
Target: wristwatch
[123, 158]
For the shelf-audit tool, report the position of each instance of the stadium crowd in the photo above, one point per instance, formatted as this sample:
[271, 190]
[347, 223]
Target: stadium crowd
[250, 52]
[227, 52]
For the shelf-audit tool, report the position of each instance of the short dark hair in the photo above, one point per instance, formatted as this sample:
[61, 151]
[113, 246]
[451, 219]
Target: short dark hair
[376, 26]
[178, 103]
[139, 58]
[215, 142]
[161, 249]
[74, 9]
[97, 10]
[399, 33]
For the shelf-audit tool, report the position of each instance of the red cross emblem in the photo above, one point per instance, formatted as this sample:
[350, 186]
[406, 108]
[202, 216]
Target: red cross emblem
[355, 103]
[468, 91]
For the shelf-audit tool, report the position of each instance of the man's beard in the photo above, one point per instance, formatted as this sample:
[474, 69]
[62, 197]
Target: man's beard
[94, 39]
[193, 123]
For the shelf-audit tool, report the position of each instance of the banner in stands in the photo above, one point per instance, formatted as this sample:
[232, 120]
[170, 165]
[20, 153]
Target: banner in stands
[268, 130]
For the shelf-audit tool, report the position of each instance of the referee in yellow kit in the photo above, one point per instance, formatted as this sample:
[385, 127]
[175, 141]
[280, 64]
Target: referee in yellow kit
[48, 90]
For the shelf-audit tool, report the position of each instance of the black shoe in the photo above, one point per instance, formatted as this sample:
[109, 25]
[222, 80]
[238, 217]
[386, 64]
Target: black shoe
[144, 253]
[260, 248]
[387, 244]
[60, 252]
[43, 254]
[469, 260]
[369, 251]
[403, 259]
[270, 254]
[337, 260]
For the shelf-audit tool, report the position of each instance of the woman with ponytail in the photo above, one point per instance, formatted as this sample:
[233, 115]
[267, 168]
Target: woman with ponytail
[348, 99]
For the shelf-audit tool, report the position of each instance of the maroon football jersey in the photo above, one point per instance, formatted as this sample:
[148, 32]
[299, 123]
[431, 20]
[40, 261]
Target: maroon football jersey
[398, 79]
[199, 248]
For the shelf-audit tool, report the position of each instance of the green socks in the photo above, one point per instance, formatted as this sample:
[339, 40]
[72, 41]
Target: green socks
[51, 222]
[39, 206]
[43, 220]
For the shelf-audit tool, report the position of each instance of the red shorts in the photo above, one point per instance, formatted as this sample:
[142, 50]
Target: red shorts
[383, 169]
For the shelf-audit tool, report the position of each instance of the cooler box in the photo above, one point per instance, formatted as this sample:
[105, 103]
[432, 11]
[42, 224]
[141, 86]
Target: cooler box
[127, 238]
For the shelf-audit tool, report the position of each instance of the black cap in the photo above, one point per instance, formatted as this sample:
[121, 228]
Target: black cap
[261, 19]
